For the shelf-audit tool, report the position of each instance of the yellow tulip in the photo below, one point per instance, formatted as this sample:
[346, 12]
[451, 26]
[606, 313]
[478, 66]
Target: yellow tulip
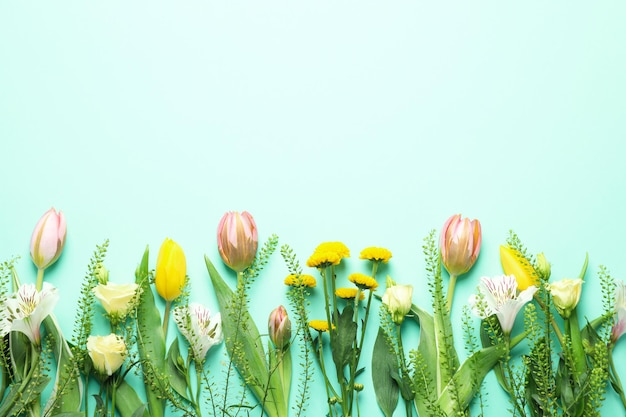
[514, 263]
[171, 270]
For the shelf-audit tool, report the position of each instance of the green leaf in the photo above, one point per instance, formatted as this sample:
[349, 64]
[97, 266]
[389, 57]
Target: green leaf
[128, 402]
[68, 380]
[176, 371]
[385, 375]
[427, 348]
[70, 414]
[466, 381]
[7, 403]
[100, 409]
[244, 345]
[342, 342]
[150, 338]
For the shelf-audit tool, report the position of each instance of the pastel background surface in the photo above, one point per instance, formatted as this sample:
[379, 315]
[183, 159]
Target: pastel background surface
[363, 122]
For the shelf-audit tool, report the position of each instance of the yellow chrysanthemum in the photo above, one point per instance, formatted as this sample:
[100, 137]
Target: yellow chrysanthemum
[375, 254]
[364, 282]
[323, 259]
[319, 325]
[336, 247]
[348, 293]
[302, 280]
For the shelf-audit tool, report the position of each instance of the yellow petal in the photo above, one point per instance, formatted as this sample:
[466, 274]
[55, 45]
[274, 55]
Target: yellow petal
[514, 263]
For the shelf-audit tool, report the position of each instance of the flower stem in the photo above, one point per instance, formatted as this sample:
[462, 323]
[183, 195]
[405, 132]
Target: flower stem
[166, 318]
[451, 286]
[199, 370]
[615, 377]
[39, 284]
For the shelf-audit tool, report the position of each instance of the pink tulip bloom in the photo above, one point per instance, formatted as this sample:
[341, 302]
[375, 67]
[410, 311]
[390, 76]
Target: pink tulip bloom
[279, 327]
[237, 240]
[460, 244]
[48, 238]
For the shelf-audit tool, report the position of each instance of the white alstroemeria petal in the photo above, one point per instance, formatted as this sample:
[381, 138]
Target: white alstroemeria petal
[29, 307]
[498, 295]
[200, 329]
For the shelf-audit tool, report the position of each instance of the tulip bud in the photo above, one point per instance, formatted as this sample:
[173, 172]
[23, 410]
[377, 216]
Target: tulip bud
[514, 263]
[171, 270]
[565, 295]
[107, 353]
[237, 240]
[460, 244]
[48, 238]
[279, 327]
[398, 300]
[543, 266]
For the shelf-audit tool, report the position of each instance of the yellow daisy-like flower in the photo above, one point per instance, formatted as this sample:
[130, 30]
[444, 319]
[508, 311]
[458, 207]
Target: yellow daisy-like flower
[337, 247]
[323, 259]
[364, 282]
[348, 293]
[376, 254]
[319, 325]
[302, 280]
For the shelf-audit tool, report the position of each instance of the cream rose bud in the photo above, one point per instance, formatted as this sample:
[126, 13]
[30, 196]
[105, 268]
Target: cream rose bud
[107, 353]
[565, 295]
[398, 300]
[116, 298]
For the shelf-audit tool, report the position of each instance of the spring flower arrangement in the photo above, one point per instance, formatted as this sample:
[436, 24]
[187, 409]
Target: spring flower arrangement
[549, 362]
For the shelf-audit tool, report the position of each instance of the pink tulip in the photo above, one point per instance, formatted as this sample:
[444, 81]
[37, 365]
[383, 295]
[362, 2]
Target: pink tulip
[279, 327]
[48, 239]
[460, 244]
[237, 240]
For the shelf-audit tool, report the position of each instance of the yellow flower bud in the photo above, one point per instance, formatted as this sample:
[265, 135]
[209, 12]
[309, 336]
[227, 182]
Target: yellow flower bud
[514, 263]
[171, 270]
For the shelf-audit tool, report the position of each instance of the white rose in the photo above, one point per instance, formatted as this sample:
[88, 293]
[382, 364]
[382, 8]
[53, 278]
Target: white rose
[565, 295]
[107, 353]
[115, 298]
[398, 301]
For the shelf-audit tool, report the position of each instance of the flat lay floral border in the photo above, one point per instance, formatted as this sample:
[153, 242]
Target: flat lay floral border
[567, 369]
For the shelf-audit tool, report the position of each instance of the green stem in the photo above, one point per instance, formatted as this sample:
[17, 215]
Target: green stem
[39, 284]
[615, 377]
[199, 370]
[573, 330]
[327, 305]
[555, 327]
[451, 286]
[326, 380]
[113, 392]
[166, 318]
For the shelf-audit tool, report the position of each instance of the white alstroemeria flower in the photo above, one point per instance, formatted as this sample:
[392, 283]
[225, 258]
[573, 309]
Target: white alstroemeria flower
[619, 326]
[26, 310]
[498, 295]
[200, 329]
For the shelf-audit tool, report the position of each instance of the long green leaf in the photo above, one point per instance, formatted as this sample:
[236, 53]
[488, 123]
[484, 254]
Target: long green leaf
[244, 345]
[128, 402]
[427, 348]
[385, 375]
[150, 339]
[467, 380]
[68, 380]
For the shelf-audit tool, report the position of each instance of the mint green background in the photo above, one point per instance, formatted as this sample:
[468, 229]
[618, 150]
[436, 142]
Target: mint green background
[365, 122]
